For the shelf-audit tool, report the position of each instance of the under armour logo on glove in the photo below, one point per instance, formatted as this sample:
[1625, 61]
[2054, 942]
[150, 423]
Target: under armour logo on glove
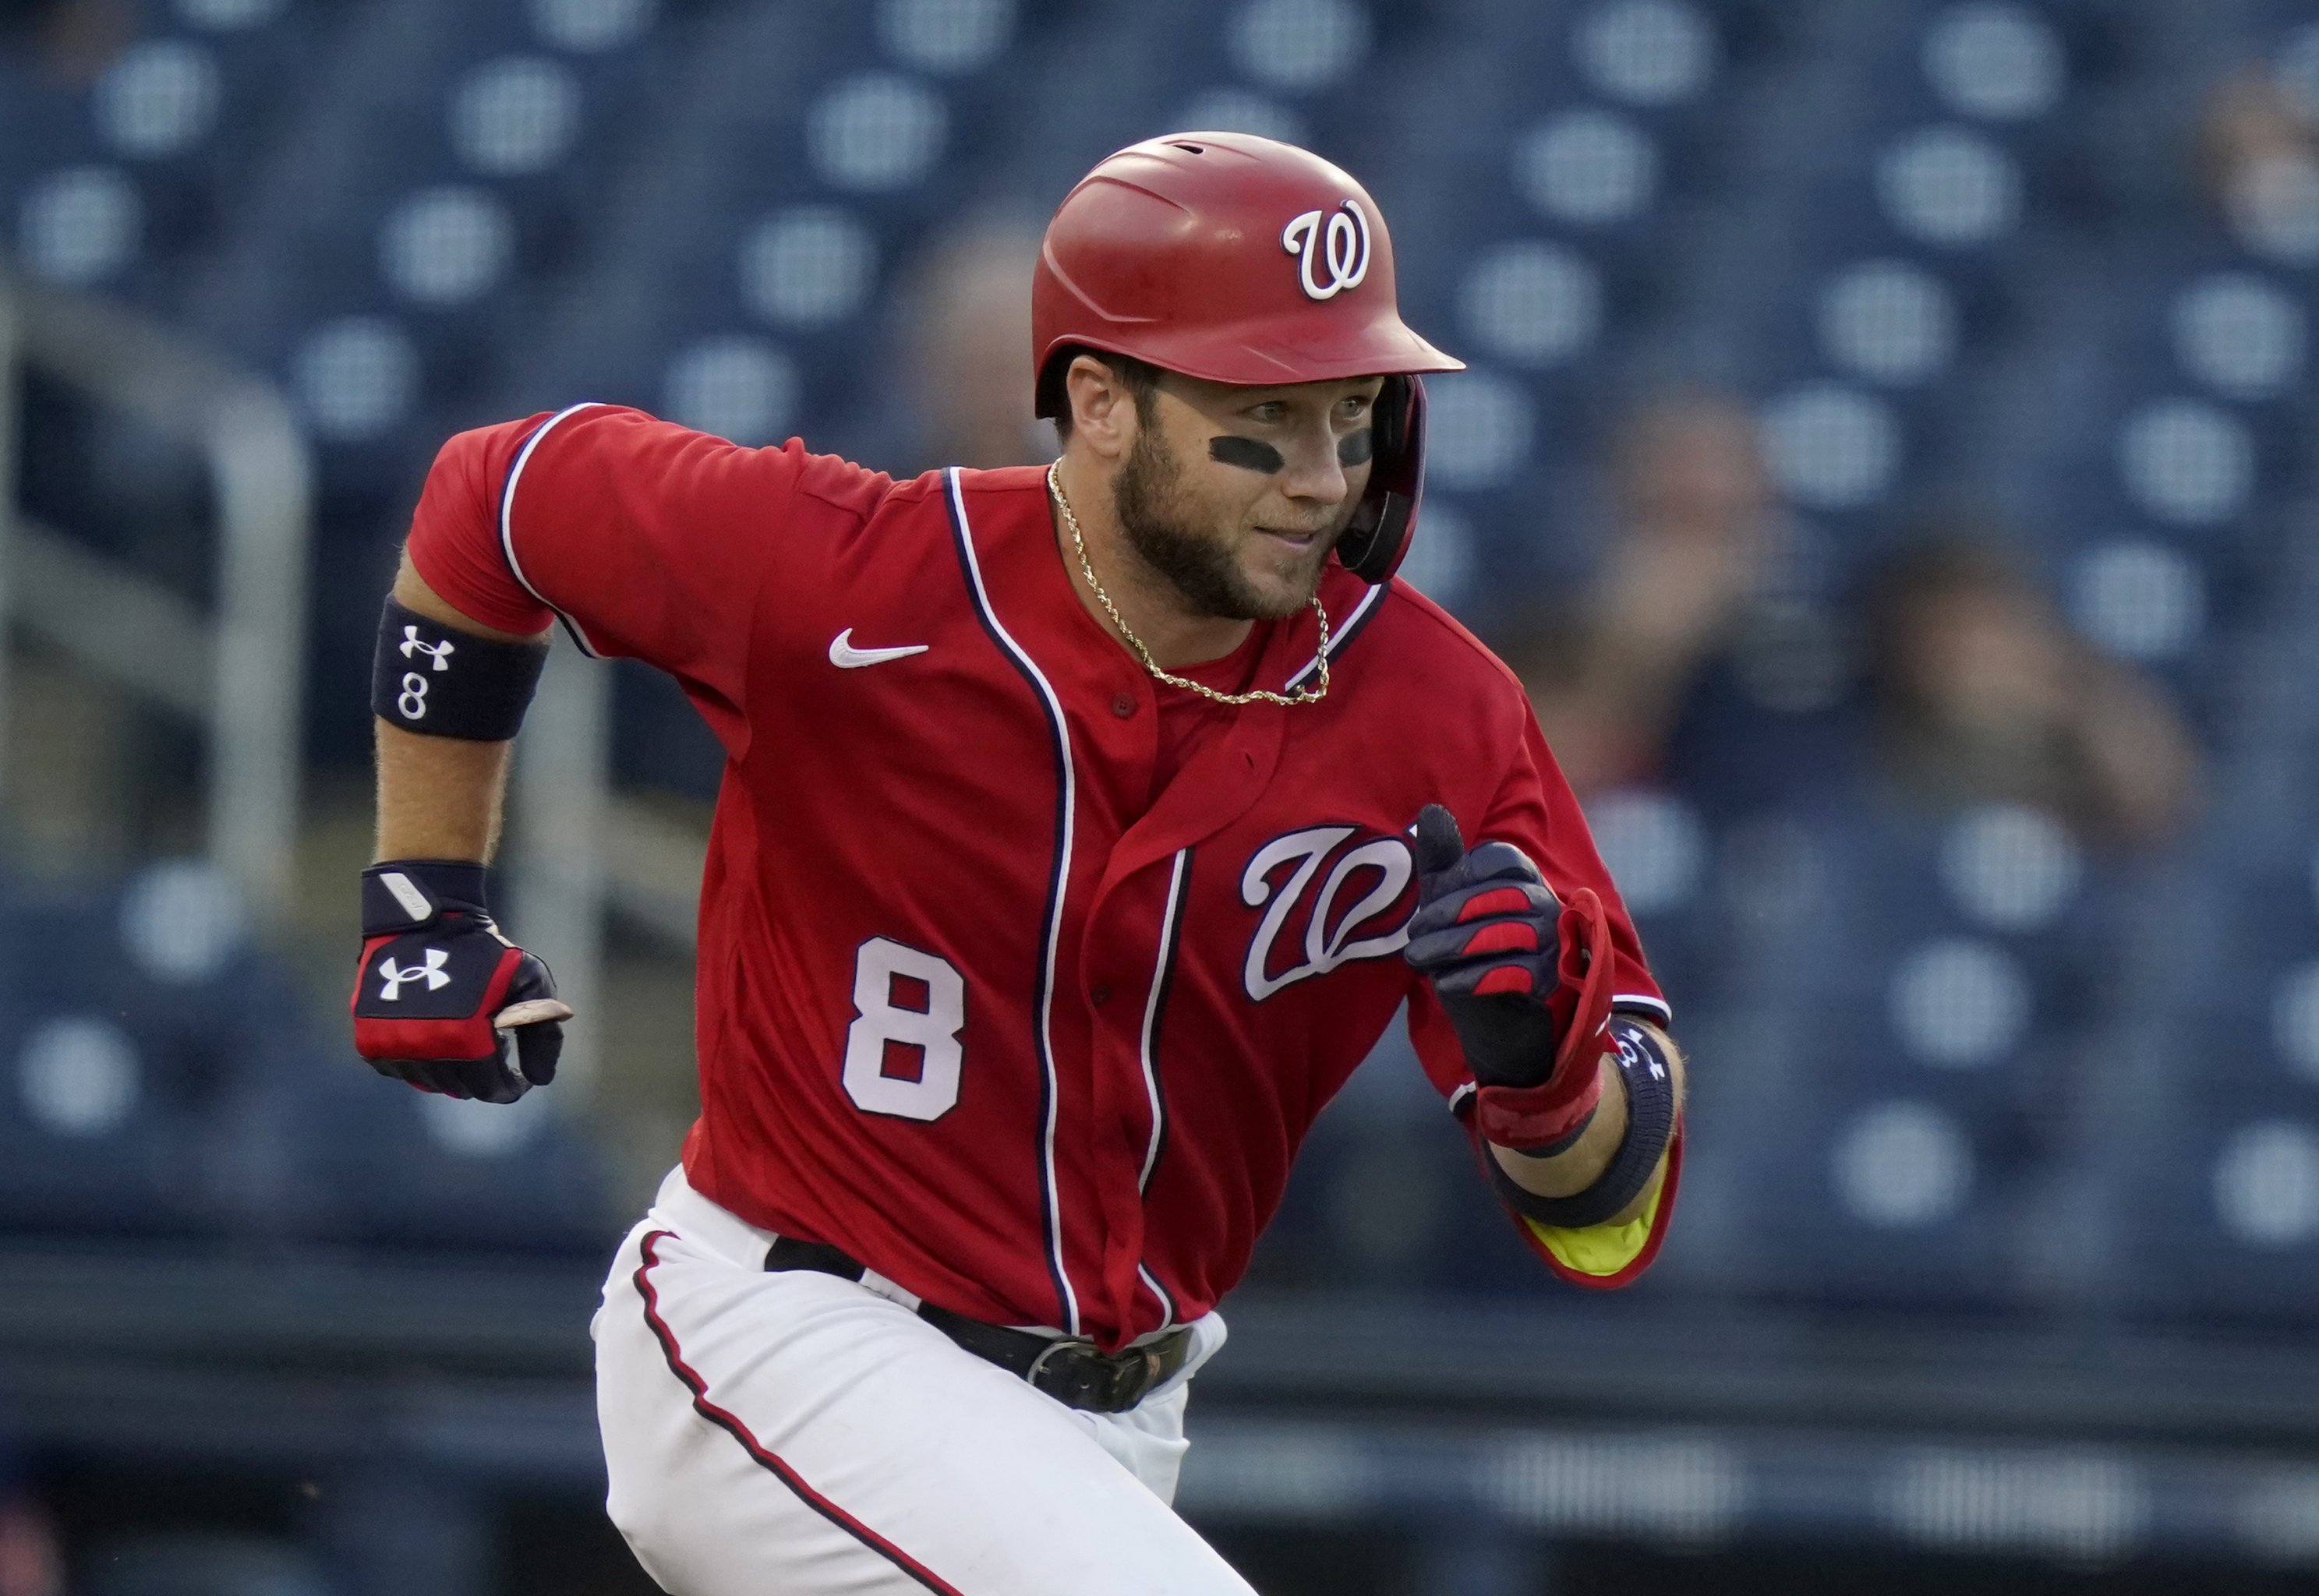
[392, 977]
[442, 1000]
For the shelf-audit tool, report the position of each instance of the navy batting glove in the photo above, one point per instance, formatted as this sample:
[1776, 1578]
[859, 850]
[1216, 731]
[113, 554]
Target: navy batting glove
[1485, 934]
[441, 999]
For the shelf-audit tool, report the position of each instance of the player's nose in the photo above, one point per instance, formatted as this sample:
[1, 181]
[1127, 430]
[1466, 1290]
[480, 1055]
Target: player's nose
[1314, 474]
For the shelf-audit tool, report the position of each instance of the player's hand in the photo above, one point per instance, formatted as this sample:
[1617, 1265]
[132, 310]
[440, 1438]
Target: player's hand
[1508, 959]
[441, 999]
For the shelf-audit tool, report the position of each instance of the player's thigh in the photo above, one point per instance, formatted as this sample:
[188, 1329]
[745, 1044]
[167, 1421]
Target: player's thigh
[794, 1433]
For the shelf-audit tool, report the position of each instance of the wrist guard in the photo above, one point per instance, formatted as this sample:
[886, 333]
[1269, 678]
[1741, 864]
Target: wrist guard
[442, 683]
[441, 999]
[1649, 1081]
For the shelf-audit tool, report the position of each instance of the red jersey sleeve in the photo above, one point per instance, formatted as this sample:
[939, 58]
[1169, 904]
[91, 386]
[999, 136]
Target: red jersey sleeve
[1535, 809]
[645, 538]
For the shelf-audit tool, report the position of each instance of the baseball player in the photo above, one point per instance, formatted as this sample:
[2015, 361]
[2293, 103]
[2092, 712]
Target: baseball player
[1082, 829]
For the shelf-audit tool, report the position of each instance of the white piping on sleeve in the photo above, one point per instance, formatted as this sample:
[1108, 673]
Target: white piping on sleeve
[507, 522]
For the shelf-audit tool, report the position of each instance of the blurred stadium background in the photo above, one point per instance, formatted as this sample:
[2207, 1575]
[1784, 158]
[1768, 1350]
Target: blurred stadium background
[1887, 456]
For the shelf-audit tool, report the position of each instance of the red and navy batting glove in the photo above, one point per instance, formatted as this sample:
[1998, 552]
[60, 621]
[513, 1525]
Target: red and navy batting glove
[442, 1000]
[1524, 977]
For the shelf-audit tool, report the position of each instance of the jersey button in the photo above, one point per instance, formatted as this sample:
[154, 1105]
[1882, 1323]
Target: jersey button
[1123, 705]
[1100, 995]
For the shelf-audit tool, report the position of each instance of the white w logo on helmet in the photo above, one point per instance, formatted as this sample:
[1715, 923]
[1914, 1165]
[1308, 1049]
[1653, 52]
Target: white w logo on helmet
[1341, 248]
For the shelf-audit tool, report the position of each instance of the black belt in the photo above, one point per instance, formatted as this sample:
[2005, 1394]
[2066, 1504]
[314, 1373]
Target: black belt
[1066, 1368]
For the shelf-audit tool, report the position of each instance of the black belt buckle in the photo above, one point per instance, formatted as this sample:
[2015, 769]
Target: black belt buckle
[1070, 1369]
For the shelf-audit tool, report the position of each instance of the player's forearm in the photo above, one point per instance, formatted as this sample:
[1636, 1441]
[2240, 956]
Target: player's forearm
[1587, 1160]
[438, 798]
[1582, 1163]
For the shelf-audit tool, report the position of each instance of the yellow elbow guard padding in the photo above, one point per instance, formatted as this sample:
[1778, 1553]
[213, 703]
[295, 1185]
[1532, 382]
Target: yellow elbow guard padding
[1601, 1249]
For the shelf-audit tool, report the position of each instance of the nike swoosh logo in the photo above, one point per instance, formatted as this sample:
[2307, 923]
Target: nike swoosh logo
[846, 657]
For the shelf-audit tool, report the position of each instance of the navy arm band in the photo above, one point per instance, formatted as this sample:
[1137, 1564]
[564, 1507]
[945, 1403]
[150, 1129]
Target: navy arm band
[1650, 1126]
[442, 683]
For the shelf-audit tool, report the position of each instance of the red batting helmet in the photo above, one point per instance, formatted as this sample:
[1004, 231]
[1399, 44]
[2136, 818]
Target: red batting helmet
[1238, 259]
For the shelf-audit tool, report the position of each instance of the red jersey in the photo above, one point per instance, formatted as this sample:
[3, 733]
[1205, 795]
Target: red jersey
[989, 996]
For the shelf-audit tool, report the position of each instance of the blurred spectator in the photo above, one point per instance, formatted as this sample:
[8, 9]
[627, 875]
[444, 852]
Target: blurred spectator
[1686, 666]
[1981, 692]
[966, 330]
[30, 1564]
[74, 40]
[2260, 158]
[1697, 534]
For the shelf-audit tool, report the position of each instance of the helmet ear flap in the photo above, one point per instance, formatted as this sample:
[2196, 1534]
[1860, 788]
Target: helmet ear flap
[1378, 534]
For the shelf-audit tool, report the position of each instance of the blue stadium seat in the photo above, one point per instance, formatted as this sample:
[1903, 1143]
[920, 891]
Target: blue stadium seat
[333, 1152]
[1926, 1021]
[1885, 1199]
[91, 1139]
[2214, 1203]
[833, 166]
[202, 1565]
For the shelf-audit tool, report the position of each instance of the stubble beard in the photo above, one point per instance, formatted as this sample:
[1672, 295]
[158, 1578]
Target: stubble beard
[1148, 497]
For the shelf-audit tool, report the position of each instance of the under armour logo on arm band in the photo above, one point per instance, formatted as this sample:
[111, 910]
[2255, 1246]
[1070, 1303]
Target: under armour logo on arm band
[441, 682]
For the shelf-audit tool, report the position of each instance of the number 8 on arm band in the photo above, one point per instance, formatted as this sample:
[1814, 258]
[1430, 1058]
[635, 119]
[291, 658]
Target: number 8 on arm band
[441, 682]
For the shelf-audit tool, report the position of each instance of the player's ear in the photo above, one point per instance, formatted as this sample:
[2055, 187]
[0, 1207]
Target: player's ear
[1103, 410]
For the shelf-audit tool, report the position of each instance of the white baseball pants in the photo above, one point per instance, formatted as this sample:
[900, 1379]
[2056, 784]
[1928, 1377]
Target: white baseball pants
[795, 1434]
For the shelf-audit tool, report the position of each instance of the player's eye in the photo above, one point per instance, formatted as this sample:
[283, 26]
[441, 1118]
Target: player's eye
[1270, 411]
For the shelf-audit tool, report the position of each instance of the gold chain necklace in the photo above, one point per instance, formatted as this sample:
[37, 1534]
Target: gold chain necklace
[1311, 695]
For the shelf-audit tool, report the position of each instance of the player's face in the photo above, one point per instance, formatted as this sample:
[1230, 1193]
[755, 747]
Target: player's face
[1236, 495]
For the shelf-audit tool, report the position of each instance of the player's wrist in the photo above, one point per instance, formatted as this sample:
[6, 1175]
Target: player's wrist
[1564, 1143]
[1551, 1104]
[403, 895]
[1645, 1078]
[1513, 1042]
[1547, 1118]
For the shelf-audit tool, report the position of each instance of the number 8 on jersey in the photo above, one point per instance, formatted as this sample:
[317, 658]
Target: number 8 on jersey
[904, 996]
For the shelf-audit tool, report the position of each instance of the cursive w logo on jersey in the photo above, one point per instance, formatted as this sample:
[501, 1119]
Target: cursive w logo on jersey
[1356, 891]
